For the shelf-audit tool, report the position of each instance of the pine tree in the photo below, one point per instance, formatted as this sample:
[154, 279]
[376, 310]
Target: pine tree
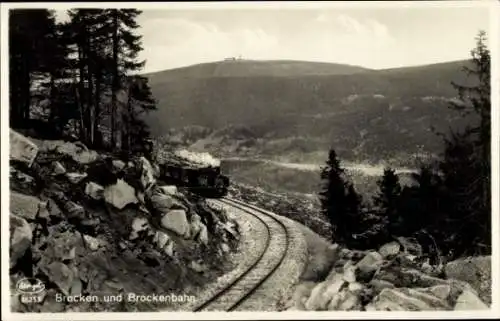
[387, 198]
[31, 53]
[340, 201]
[466, 164]
[125, 49]
[139, 101]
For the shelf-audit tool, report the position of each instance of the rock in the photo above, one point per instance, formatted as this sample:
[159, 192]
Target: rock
[388, 297]
[176, 221]
[118, 164]
[163, 203]
[58, 168]
[21, 236]
[350, 302]
[93, 243]
[300, 295]
[369, 264]
[203, 236]
[161, 239]
[22, 149]
[317, 301]
[379, 285]
[76, 178]
[75, 211]
[169, 249]
[61, 275]
[434, 302]
[77, 151]
[468, 300]
[53, 208]
[224, 247]
[389, 250]
[350, 273]
[63, 246]
[94, 190]
[139, 224]
[25, 206]
[169, 189]
[43, 210]
[410, 246]
[355, 288]
[147, 173]
[404, 277]
[442, 291]
[120, 194]
[198, 267]
[474, 270]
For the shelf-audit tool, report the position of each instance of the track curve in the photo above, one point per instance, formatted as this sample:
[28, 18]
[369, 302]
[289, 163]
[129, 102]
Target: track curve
[268, 261]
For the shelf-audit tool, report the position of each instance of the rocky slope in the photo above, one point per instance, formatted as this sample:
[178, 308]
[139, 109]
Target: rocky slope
[395, 278]
[398, 276]
[89, 225]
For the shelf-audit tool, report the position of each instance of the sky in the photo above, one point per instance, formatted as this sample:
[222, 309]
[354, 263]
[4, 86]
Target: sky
[375, 38]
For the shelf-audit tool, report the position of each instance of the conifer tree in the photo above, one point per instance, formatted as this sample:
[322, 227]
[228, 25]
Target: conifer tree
[387, 198]
[339, 200]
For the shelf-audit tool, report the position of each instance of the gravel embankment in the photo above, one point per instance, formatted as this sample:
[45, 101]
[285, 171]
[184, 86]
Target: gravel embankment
[273, 292]
[251, 244]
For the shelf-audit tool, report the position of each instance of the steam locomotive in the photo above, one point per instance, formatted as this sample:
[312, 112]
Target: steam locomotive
[198, 177]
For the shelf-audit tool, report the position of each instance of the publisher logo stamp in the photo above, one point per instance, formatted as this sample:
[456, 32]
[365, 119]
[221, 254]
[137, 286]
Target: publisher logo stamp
[30, 290]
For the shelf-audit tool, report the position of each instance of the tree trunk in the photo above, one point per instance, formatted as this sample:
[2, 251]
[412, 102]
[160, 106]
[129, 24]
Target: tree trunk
[115, 77]
[97, 106]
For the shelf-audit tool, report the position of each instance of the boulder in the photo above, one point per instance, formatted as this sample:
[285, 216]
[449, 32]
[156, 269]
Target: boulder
[176, 221]
[74, 211]
[161, 239]
[22, 149]
[169, 189]
[434, 302]
[379, 285]
[350, 273]
[198, 266]
[58, 168]
[474, 270]
[139, 224]
[162, 203]
[410, 246]
[118, 164]
[317, 301]
[93, 243]
[349, 302]
[25, 206]
[389, 250]
[225, 248]
[300, 295]
[394, 299]
[94, 190]
[370, 263]
[21, 236]
[147, 173]
[76, 178]
[120, 194]
[60, 274]
[203, 236]
[77, 151]
[468, 300]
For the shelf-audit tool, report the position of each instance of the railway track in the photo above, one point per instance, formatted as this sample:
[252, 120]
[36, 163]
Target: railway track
[250, 280]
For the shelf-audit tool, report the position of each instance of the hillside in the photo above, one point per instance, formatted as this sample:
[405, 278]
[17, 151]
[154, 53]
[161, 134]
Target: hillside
[253, 68]
[367, 115]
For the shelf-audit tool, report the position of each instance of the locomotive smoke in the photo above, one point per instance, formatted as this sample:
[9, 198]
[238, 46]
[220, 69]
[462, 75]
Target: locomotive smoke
[199, 158]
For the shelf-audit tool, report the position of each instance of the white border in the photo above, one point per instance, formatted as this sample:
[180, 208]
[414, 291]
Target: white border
[493, 35]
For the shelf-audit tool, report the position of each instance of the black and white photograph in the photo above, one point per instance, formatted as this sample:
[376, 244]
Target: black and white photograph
[301, 159]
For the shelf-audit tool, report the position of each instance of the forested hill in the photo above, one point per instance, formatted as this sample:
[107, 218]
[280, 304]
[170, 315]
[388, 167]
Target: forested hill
[356, 109]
